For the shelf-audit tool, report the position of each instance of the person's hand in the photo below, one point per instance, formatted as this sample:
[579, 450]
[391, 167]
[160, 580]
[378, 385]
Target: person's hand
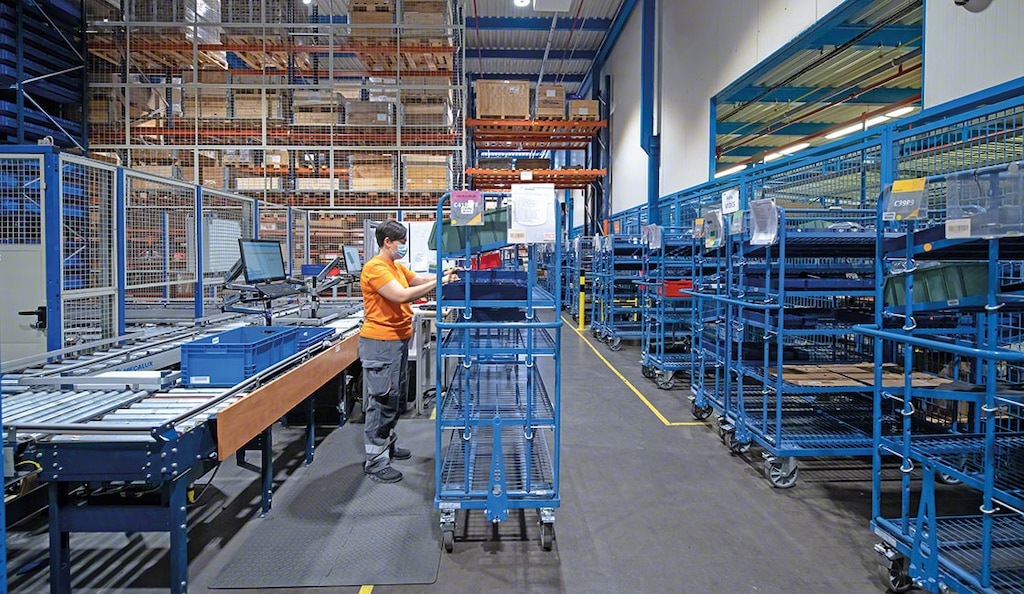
[450, 277]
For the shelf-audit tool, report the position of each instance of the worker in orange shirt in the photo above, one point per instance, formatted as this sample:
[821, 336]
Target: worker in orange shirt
[388, 289]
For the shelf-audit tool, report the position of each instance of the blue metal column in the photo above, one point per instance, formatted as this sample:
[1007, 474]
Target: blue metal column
[291, 255]
[650, 142]
[19, 56]
[54, 248]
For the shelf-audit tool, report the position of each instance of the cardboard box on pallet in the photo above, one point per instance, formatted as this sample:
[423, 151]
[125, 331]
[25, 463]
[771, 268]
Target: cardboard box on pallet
[503, 99]
[253, 106]
[532, 164]
[275, 158]
[427, 172]
[583, 109]
[426, 114]
[258, 183]
[371, 12]
[368, 113]
[206, 108]
[550, 101]
[494, 163]
[372, 174]
[316, 118]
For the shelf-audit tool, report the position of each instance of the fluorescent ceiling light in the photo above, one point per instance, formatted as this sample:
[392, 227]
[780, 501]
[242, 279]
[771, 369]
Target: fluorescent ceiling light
[789, 150]
[521, 3]
[730, 171]
[772, 156]
[900, 112]
[876, 121]
[307, 1]
[844, 131]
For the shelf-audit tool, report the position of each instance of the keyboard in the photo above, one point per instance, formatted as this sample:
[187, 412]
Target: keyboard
[277, 290]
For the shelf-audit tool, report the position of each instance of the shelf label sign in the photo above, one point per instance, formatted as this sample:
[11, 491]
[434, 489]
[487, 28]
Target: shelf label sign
[958, 228]
[730, 201]
[467, 208]
[907, 201]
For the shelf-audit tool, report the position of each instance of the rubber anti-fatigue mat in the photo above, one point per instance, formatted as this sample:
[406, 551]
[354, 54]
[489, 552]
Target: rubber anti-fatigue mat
[334, 527]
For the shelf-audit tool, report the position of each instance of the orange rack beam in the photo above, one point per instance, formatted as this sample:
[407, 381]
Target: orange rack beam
[564, 179]
[533, 134]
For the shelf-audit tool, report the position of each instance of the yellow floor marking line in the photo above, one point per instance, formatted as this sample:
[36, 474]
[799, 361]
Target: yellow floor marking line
[433, 414]
[639, 395]
[366, 590]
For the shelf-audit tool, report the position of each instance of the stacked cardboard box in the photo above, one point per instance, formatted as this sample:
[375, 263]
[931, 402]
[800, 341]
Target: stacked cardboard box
[205, 108]
[550, 102]
[371, 12]
[316, 118]
[372, 174]
[584, 109]
[427, 172]
[433, 14]
[275, 158]
[368, 113]
[426, 114]
[255, 106]
[209, 176]
[143, 184]
[503, 99]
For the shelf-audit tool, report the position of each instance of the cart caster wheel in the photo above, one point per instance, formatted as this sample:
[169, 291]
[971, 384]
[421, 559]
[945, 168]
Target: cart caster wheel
[734, 444]
[547, 536]
[700, 413]
[648, 371]
[593, 332]
[666, 380]
[895, 578]
[779, 475]
[575, 317]
[946, 479]
[615, 344]
[448, 539]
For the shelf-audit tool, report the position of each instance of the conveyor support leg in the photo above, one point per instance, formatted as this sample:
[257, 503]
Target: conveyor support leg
[179, 535]
[267, 470]
[60, 545]
[310, 429]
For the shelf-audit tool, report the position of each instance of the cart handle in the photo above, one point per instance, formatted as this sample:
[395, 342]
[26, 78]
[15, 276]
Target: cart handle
[998, 355]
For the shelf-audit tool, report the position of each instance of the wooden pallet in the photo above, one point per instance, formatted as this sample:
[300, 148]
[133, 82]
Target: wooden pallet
[586, 118]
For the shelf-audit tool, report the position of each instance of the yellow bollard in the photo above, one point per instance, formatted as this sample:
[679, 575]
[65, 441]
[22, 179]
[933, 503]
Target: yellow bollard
[583, 300]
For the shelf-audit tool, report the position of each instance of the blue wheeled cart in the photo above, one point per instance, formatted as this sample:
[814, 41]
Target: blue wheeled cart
[498, 429]
[617, 310]
[961, 262]
[667, 344]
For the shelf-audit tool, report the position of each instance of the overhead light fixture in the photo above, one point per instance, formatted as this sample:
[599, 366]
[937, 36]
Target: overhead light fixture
[789, 150]
[900, 112]
[876, 121]
[772, 156]
[307, 2]
[730, 171]
[844, 131]
[521, 3]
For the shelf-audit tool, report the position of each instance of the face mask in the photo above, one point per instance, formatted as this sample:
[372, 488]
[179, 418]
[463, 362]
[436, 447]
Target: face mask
[403, 249]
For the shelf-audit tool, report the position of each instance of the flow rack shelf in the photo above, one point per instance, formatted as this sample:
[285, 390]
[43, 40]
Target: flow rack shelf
[617, 306]
[498, 426]
[962, 263]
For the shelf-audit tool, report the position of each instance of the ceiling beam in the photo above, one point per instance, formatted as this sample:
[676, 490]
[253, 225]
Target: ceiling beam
[529, 54]
[880, 96]
[533, 24]
[888, 36]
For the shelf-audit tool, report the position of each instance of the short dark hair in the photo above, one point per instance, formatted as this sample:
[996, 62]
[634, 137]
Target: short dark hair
[389, 229]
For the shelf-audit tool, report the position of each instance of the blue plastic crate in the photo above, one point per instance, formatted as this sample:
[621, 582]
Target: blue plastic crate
[311, 336]
[490, 285]
[230, 357]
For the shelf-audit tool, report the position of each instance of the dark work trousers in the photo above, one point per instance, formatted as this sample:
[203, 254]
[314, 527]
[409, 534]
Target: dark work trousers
[385, 371]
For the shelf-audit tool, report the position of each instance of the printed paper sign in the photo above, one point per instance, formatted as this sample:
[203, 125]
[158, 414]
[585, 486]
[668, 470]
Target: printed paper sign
[730, 201]
[467, 208]
[906, 201]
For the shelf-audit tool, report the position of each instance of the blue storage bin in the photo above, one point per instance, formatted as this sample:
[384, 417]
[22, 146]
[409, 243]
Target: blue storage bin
[488, 285]
[230, 357]
[310, 336]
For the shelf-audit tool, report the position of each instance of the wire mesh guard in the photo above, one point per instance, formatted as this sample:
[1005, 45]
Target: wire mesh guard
[466, 467]
[21, 201]
[510, 391]
[283, 103]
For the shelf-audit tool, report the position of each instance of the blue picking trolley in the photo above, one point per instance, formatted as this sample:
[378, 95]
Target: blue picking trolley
[666, 344]
[498, 428]
[616, 308]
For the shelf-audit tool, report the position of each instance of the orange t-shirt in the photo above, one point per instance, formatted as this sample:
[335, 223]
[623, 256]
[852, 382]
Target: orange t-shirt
[384, 319]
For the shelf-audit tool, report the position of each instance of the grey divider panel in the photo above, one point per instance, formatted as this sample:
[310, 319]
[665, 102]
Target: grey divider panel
[333, 527]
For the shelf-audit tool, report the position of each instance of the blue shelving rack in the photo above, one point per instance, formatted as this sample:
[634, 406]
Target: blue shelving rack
[968, 217]
[616, 307]
[498, 426]
[667, 340]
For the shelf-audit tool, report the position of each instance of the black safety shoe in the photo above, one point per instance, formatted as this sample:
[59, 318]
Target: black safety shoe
[387, 475]
[398, 453]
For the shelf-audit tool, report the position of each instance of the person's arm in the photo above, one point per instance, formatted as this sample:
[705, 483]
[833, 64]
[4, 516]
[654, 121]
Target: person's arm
[423, 279]
[396, 293]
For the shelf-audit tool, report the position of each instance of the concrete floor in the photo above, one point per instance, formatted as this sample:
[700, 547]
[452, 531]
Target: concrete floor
[646, 507]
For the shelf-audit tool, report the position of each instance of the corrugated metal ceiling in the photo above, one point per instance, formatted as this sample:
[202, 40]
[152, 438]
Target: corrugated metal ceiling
[505, 8]
[517, 39]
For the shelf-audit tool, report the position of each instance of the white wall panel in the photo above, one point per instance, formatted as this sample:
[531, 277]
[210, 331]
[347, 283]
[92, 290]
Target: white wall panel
[704, 47]
[628, 160]
[966, 52]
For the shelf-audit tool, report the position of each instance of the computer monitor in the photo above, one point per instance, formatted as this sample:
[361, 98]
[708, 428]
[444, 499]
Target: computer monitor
[353, 263]
[262, 260]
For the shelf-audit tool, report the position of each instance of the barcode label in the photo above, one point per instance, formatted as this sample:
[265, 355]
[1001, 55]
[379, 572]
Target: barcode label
[958, 228]
[888, 216]
[449, 505]
[199, 379]
[516, 235]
